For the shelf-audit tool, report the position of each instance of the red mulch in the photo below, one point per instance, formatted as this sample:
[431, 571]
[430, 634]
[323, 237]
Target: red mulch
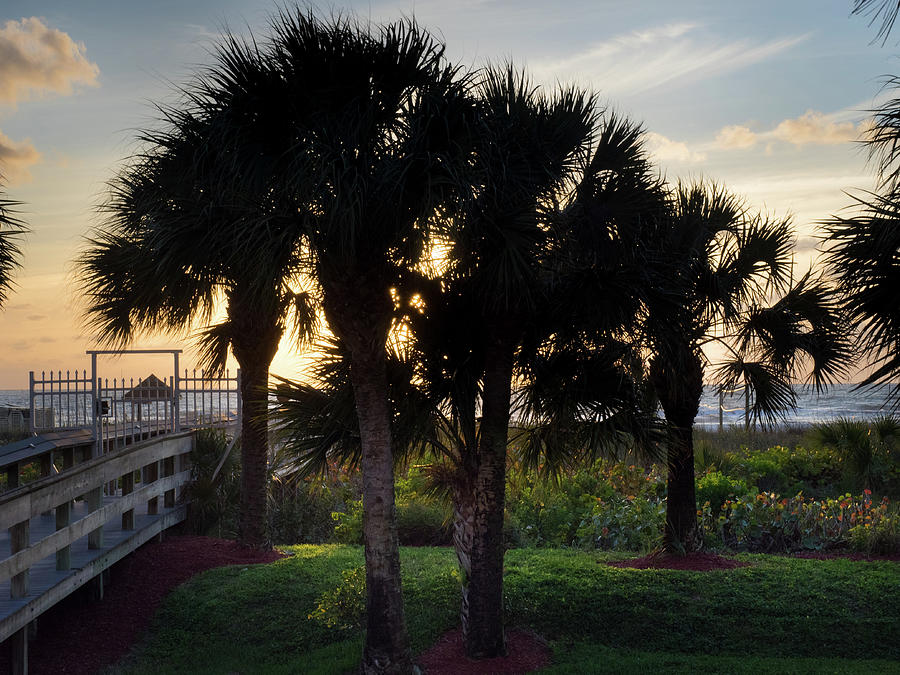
[82, 636]
[526, 652]
[694, 562]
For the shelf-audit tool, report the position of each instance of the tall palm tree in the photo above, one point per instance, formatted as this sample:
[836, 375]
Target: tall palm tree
[574, 392]
[319, 153]
[177, 242]
[718, 268]
[11, 231]
[379, 123]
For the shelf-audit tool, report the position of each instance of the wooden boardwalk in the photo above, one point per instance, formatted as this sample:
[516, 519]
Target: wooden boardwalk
[47, 585]
[61, 531]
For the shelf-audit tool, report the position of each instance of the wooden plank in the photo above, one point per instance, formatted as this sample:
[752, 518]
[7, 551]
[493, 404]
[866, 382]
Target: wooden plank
[25, 502]
[34, 608]
[63, 520]
[19, 540]
[127, 489]
[151, 474]
[85, 526]
[94, 499]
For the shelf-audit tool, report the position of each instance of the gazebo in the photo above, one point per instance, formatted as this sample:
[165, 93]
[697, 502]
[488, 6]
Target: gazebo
[150, 390]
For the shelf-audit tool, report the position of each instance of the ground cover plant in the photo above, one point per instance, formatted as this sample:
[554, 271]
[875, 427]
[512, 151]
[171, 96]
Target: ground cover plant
[784, 614]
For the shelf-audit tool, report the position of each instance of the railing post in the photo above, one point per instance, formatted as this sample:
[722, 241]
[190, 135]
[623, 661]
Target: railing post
[239, 401]
[128, 488]
[151, 474]
[94, 500]
[63, 520]
[95, 407]
[169, 470]
[19, 540]
[176, 404]
[31, 400]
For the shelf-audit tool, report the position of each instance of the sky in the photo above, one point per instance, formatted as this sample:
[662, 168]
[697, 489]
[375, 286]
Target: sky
[767, 98]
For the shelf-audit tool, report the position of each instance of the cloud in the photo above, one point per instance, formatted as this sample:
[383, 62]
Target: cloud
[735, 136]
[817, 128]
[667, 150]
[36, 60]
[635, 62]
[16, 157]
[36, 317]
[811, 128]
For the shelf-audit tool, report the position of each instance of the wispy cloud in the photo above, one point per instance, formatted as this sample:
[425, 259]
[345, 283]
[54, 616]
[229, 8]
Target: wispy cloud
[36, 60]
[641, 60]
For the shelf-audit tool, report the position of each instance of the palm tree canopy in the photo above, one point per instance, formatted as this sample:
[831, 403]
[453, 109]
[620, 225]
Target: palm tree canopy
[12, 229]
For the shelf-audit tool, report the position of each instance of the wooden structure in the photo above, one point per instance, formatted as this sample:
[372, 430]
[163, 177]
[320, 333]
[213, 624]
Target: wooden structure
[61, 531]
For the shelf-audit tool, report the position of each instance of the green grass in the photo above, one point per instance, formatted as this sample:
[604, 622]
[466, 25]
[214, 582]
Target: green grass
[778, 615]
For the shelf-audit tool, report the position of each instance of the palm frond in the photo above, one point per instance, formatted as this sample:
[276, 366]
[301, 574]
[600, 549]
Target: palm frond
[12, 230]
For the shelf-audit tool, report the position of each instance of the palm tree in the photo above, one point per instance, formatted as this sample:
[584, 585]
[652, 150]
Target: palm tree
[175, 244]
[718, 267]
[861, 254]
[575, 393]
[11, 231]
[379, 124]
[316, 153]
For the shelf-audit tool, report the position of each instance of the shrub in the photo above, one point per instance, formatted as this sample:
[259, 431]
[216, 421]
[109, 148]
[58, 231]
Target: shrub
[715, 487]
[624, 523]
[344, 607]
[769, 523]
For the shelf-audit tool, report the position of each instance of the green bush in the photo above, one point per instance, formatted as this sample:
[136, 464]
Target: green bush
[344, 608]
[213, 496]
[881, 537]
[715, 487]
[624, 524]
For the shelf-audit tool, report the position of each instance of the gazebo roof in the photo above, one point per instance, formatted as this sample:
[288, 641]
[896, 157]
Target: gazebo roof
[151, 389]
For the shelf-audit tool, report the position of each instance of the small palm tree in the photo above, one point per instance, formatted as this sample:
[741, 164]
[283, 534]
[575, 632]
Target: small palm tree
[11, 231]
[719, 267]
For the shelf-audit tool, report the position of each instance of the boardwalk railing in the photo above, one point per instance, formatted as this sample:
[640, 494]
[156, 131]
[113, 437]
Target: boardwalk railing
[122, 411]
[64, 529]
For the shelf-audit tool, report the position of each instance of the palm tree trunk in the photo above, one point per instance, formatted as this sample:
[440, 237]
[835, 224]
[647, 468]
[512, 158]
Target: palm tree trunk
[679, 390]
[483, 622]
[360, 315]
[387, 645]
[254, 453]
[681, 533]
[463, 535]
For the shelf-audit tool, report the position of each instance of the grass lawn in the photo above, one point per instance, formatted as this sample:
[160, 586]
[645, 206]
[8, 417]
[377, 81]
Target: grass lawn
[778, 615]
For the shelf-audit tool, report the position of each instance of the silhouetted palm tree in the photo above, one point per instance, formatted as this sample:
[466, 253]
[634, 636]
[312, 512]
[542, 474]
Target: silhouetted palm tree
[719, 269]
[319, 155]
[379, 121]
[11, 231]
[178, 241]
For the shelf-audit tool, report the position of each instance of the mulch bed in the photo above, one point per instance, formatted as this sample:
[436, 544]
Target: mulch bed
[694, 562]
[526, 652]
[81, 636]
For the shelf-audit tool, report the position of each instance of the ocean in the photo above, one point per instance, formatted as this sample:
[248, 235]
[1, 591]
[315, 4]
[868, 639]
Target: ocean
[841, 400]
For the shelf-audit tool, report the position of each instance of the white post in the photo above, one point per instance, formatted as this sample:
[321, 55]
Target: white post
[95, 407]
[31, 400]
[176, 407]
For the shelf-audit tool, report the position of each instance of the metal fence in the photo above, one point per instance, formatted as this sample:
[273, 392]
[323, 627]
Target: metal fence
[121, 411]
